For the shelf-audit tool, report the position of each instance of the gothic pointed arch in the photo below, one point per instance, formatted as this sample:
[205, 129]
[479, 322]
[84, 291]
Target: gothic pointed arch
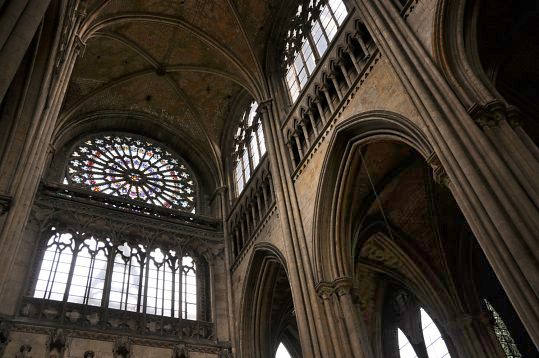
[267, 317]
[331, 244]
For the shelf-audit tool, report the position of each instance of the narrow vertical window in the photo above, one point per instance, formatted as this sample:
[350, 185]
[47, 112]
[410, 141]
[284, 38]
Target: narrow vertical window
[127, 280]
[282, 352]
[55, 267]
[436, 347]
[249, 147]
[406, 350]
[317, 23]
[503, 335]
[189, 289]
[88, 280]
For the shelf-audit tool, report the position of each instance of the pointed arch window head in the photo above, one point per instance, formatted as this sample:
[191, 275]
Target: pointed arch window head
[434, 343]
[249, 146]
[312, 30]
[132, 167]
[282, 352]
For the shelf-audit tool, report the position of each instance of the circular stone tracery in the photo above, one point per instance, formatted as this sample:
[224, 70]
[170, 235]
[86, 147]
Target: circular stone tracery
[134, 168]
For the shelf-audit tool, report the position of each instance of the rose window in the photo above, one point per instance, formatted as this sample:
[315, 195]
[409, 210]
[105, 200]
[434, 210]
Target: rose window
[132, 167]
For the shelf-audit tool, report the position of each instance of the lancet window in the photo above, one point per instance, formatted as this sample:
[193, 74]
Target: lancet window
[132, 167]
[81, 268]
[249, 146]
[502, 333]
[312, 30]
[434, 343]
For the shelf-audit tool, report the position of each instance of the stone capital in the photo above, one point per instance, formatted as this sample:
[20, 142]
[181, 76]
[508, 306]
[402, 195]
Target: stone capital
[343, 286]
[488, 115]
[325, 290]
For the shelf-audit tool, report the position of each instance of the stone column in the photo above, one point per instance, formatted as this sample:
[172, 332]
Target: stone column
[310, 315]
[320, 110]
[501, 207]
[313, 122]
[19, 21]
[47, 76]
[228, 235]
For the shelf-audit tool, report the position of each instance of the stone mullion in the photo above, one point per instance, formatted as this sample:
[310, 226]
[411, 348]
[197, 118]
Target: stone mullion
[309, 314]
[44, 112]
[500, 211]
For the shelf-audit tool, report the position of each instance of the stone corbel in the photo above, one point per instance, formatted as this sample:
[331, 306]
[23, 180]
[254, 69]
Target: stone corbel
[5, 204]
[488, 115]
[180, 351]
[122, 347]
[439, 174]
[57, 343]
[343, 286]
[325, 290]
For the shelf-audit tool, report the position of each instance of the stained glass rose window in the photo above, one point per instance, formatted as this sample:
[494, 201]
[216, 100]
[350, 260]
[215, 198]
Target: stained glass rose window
[132, 167]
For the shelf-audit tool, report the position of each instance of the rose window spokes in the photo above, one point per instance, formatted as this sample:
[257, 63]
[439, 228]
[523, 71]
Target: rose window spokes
[133, 168]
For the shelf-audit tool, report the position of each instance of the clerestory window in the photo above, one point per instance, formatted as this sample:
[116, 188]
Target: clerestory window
[132, 167]
[313, 29]
[249, 146]
[83, 269]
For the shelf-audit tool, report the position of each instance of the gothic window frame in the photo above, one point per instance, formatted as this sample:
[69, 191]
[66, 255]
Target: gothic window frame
[201, 310]
[403, 314]
[303, 50]
[502, 333]
[248, 147]
[177, 182]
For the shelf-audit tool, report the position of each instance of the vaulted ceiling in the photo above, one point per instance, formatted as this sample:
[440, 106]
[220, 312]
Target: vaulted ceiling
[182, 62]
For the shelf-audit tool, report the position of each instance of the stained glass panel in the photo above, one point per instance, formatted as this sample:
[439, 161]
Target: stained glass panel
[132, 167]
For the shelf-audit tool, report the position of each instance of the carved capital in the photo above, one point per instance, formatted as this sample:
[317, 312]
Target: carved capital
[343, 286]
[180, 351]
[122, 347]
[264, 107]
[488, 115]
[325, 290]
[439, 174]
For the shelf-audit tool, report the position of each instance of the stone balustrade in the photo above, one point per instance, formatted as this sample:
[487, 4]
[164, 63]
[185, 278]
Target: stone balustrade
[345, 62]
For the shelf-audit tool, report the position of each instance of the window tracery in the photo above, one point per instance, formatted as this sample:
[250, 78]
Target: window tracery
[77, 268]
[312, 30]
[132, 167]
[249, 147]
[502, 333]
